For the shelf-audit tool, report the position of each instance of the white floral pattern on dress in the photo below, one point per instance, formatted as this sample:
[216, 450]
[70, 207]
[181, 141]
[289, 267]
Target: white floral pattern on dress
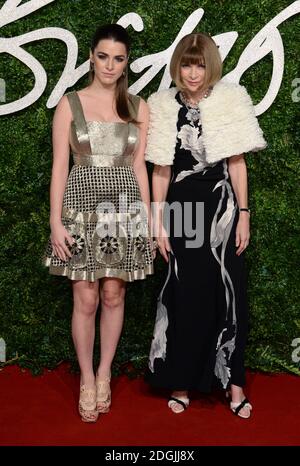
[193, 142]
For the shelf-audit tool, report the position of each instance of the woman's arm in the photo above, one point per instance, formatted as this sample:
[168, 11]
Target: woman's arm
[238, 173]
[160, 185]
[139, 164]
[161, 180]
[60, 168]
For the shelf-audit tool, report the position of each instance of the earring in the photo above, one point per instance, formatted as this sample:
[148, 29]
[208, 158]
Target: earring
[91, 65]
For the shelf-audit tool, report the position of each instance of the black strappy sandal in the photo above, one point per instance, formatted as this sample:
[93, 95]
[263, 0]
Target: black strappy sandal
[236, 407]
[183, 401]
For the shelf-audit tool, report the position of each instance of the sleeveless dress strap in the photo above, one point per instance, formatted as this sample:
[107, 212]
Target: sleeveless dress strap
[79, 121]
[134, 103]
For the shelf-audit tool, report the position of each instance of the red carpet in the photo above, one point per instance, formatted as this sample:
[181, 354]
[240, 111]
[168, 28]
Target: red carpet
[42, 411]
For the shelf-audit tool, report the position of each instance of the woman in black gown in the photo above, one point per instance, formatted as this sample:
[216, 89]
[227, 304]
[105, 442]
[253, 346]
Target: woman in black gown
[202, 229]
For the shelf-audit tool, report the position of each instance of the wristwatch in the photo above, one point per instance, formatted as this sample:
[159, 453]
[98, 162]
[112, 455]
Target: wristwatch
[244, 209]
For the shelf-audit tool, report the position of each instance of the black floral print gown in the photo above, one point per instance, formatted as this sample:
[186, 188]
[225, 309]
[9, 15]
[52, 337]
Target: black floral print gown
[201, 323]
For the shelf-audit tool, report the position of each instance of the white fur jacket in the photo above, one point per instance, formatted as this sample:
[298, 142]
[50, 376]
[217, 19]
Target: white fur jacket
[229, 124]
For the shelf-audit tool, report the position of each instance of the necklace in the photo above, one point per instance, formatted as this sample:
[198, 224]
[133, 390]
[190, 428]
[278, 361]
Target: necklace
[193, 113]
[195, 104]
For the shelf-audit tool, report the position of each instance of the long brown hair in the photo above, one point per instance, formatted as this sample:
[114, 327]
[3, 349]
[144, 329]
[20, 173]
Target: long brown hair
[118, 34]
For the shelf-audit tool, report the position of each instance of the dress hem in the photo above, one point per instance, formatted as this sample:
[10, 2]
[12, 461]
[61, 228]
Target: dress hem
[168, 386]
[93, 276]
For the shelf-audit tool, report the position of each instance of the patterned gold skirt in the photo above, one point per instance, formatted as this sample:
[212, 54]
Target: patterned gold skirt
[103, 212]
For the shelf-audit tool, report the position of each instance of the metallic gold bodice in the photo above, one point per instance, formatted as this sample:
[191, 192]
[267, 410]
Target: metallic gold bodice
[100, 143]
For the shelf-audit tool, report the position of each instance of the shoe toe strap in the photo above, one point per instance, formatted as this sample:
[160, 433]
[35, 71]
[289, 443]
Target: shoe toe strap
[244, 404]
[184, 404]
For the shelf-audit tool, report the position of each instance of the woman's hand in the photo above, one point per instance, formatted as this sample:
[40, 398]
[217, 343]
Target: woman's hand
[242, 234]
[153, 245]
[59, 237]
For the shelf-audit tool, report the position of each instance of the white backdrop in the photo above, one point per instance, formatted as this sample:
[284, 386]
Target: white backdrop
[267, 40]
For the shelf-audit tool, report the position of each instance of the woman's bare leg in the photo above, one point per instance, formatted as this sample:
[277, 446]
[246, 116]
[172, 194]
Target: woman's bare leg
[112, 293]
[86, 300]
[237, 396]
